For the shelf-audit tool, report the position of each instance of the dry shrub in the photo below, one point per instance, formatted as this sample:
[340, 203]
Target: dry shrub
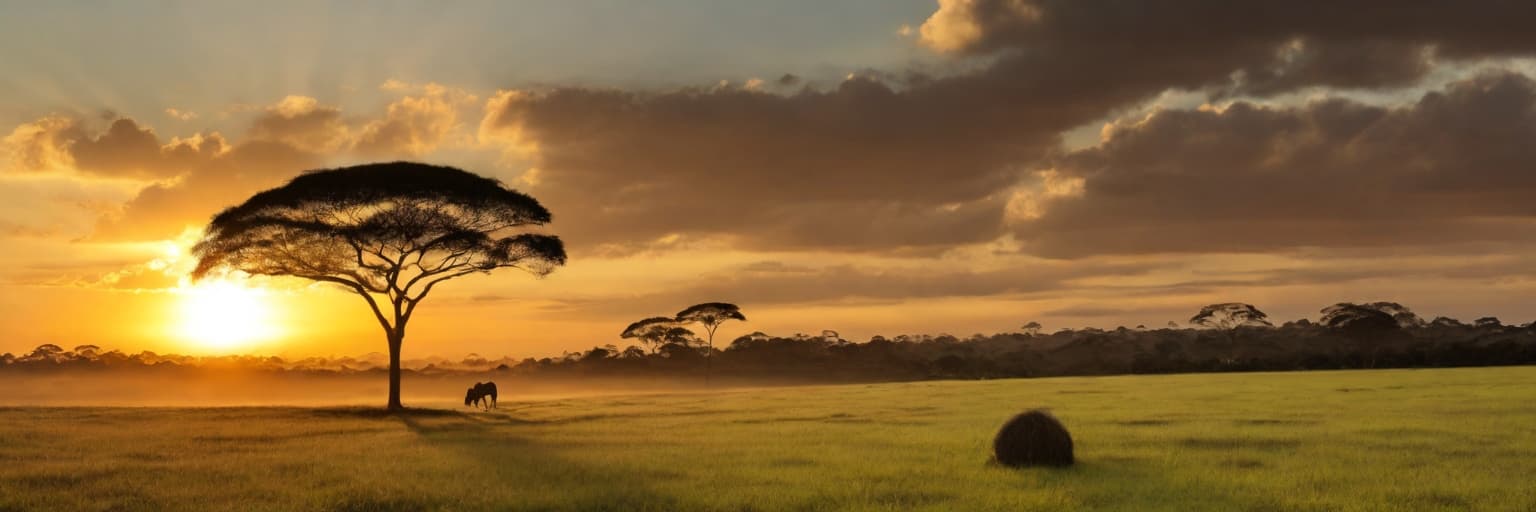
[1033, 438]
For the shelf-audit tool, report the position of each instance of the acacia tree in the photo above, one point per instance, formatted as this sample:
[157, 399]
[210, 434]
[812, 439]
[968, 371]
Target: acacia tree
[389, 232]
[710, 315]
[1229, 316]
[658, 331]
[1367, 325]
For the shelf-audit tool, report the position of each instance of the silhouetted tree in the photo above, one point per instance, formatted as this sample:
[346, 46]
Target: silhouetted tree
[46, 351]
[658, 331]
[600, 353]
[1488, 322]
[1404, 317]
[387, 232]
[1230, 315]
[1032, 328]
[710, 315]
[1367, 325]
[1446, 322]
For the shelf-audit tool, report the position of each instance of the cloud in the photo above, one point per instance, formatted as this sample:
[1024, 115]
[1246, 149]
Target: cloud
[41, 145]
[1261, 47]
[180, 115]
[413, 125]
[124, 150]
[193, 177]
[914, 161]
[1455, 166]
[870, 164]
[302, 122]
[162, 210]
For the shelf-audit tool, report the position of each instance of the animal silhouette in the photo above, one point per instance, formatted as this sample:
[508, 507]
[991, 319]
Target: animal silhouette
[481, 395]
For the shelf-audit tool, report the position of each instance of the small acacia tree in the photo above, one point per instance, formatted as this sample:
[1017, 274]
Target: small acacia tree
[1230, 316]
[658, 331]
[710, 315]
[388, 232]
[1369, 326]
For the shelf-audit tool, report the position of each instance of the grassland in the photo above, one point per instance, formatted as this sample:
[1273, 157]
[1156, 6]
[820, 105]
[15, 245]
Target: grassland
[1361, 440]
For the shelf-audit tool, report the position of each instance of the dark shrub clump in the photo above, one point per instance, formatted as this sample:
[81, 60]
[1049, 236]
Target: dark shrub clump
[1033, 438]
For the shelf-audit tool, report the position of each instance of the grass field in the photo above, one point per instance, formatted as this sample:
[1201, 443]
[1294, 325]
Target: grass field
[1362, 440]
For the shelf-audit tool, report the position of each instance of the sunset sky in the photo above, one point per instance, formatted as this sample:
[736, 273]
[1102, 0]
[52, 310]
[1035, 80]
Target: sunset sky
[873, 167]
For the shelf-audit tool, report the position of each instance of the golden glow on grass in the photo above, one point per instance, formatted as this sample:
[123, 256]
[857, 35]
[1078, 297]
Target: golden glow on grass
[221, 315]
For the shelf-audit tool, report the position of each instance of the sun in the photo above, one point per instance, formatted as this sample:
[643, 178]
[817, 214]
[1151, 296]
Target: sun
[224, 315]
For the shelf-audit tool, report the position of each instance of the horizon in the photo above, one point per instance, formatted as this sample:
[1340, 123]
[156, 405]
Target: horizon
[894, 168]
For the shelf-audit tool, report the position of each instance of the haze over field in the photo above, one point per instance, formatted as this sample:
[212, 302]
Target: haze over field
[875, 167]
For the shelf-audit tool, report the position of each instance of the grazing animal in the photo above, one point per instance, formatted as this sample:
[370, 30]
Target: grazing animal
[481, 394]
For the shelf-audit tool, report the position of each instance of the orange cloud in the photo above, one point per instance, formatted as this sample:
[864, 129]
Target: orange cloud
[180, 115]
[41, 145]
[414, 125]
[302, 122]
[125, 149]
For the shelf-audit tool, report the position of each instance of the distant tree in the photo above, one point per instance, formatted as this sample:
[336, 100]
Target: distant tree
[1229, 316]
[710, 315]
[87, 351]
[1367, 325]
[1488, 322]
[387, 232]
[1446, 322]
[600, 353]
[658, 331]
[1032, 328]
[632, 352]
[1404, 317]
[46, 351]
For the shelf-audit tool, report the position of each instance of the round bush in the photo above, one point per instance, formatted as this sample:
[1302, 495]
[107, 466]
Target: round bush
[1033, 438]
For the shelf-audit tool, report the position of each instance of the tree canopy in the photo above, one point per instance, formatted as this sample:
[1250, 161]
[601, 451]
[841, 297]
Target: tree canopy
[1230, 315]
[658, 331]
[389, 232]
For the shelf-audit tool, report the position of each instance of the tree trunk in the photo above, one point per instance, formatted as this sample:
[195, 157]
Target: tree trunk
[394, 371]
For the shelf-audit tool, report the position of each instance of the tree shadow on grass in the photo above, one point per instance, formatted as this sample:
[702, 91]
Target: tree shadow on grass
[526, 474]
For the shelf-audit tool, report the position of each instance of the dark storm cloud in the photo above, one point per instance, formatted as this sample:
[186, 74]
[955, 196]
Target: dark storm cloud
[867, 165]
[888, 161]
[1458, 165]
[1262, 47]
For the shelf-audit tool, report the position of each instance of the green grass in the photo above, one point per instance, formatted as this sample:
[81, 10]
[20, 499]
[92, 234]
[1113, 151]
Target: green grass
[1462, 439]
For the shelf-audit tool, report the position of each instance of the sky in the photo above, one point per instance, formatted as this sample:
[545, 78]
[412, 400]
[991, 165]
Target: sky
[871, 167]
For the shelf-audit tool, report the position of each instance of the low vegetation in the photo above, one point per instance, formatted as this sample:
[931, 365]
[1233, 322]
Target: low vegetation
[1459, 439]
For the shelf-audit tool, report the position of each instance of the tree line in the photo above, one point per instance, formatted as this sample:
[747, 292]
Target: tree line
[1220, 337]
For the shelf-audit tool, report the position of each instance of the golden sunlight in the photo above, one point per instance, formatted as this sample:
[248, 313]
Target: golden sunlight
[224, 314]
